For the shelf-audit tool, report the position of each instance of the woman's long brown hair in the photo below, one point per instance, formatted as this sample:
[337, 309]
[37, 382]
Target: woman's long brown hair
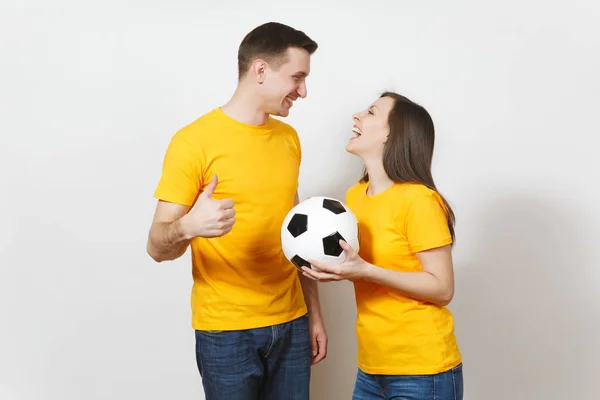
[408, 152]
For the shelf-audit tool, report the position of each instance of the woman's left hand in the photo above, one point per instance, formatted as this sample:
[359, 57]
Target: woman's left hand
[352, 268]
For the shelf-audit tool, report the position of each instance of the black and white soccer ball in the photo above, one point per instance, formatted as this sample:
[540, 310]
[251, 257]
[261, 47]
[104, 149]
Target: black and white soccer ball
[312, 231]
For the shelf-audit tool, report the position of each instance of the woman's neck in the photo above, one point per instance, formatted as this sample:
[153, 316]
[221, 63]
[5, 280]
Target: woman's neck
[379, 181]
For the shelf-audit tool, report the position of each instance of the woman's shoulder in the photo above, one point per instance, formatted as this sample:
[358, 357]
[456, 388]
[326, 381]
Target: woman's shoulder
[413, 190]
[419, 198]
[356, 188]
[410, 193]
[403, 192]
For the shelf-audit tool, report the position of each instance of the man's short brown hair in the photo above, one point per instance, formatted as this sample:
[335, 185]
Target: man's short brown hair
[270, 42]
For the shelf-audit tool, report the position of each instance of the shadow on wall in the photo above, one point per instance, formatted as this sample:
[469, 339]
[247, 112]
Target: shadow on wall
[333, 378]
[526, 313]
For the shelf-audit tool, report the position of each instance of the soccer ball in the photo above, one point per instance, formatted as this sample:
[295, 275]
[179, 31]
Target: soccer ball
[312, 231]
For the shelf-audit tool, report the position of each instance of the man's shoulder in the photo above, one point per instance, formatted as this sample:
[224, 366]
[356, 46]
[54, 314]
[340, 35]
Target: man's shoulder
[283, 126]
[198, 127]
[204, 120]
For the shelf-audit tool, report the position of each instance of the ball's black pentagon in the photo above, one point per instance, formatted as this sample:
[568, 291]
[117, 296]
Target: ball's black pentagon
[334, 206]
[298, 225]
[331, 244]
[300, 262]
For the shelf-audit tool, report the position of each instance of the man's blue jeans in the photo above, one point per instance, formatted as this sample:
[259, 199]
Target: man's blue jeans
[254, 364]
[444, 386]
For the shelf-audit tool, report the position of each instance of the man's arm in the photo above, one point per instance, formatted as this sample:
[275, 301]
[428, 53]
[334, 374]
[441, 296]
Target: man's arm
[175, 225]
[168, 239]
[309, 287]
[318, 335]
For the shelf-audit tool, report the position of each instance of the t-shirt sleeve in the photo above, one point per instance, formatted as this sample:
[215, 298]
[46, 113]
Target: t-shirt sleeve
[427, 223]
[297, 145]
[182, 177]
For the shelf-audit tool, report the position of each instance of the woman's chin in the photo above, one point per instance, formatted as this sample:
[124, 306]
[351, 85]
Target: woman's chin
[351, 148]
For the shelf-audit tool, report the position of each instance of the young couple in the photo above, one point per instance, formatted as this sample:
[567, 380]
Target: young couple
[228, 180]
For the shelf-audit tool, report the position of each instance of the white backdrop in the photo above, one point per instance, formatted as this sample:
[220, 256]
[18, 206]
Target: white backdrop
[91, 93]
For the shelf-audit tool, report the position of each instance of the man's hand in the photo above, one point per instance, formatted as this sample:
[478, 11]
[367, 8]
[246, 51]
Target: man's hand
[208, 217]
[318, 339]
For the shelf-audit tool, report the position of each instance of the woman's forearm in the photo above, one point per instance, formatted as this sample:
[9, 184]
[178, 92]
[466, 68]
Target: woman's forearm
[422, 286]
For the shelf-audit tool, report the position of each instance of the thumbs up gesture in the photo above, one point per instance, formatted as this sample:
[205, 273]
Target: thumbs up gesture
[208, 217]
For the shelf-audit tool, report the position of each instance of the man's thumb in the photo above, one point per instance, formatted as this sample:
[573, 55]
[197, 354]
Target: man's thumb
[210, 188]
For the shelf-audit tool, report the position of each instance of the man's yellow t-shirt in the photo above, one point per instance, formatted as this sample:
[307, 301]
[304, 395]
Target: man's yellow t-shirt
[398, 335]
[242, 280]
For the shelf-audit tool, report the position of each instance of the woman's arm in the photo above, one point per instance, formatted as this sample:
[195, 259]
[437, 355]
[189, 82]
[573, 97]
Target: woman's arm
[435, 284]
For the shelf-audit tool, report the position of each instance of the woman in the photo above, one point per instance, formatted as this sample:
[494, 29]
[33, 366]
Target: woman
[403, 274]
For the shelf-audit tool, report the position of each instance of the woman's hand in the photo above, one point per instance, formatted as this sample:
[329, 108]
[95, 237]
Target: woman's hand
[351, 269]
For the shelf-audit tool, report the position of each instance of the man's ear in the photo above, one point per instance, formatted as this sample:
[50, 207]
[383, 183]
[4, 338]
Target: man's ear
[259, 70]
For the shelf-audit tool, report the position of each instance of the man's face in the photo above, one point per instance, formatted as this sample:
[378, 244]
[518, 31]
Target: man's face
[283, 85]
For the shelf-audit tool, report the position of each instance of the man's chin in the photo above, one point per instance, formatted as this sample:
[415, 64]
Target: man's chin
[283, 112]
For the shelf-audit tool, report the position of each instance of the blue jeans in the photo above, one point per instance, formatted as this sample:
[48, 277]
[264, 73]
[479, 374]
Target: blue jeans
[443, 386]
[263, 363]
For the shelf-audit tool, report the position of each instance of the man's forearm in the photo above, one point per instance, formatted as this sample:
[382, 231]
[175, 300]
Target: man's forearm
[167, 241]
[311, 296]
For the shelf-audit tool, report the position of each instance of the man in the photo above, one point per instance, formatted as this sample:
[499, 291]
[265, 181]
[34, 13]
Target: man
[228, 180]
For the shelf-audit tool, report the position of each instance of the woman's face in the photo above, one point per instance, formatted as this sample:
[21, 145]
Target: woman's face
[371, 129]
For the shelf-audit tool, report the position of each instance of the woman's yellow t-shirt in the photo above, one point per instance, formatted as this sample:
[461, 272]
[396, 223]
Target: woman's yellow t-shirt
[398, 335]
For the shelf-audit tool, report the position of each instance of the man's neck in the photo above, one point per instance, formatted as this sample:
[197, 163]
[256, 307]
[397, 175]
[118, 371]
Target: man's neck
[244, 106]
